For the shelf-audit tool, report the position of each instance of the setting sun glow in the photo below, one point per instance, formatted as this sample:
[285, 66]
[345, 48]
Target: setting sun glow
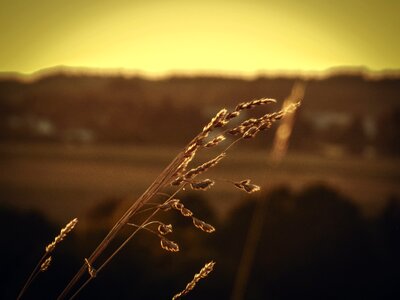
[229, 37]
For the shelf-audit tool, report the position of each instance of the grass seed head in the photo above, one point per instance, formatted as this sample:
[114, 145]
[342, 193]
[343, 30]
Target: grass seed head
[190, 149]
[265, 125]
[221, 123]
[186, 212]
[187, 158]
[214, 121]
[246, 186]
[214, 141]
[251, 188]
[177, 205]
[251, 132]
[204, 167]
[92, 271]
[169, 245]
[168, 205]
[204, 272]
[164, 229]
[239, 129]
[253, 103]
[178, 180]
[203, 225]
[45, 265]
[249, 122]
[61, 236]
[202, 185]
[232, 115]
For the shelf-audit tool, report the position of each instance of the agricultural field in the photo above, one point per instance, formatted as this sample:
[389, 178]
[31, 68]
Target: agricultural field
[62, 181]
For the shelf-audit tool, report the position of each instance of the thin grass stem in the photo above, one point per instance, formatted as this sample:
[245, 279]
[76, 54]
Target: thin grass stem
[32, 276]
[124, 244]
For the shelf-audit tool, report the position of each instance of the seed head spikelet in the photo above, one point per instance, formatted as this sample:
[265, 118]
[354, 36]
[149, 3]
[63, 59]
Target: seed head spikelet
[169, 245]
[186, 212]
[164, 229]
[232, 115]
[188, 156]
[249, 122]
[251, 132]
[246, 186]
[168, 204]
[191, 149]
[63, 233]
[253, 103]
[204, 167]
[92, 271]
[178, 180]
[237, 130]
[214, 141]
[215, 121]
[204, 272]
[177, 205]
[203, 225]
[202, 185]
[45, 265]
[265, 125]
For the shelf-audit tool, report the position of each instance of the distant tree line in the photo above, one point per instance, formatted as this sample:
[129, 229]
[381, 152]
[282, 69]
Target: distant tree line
[66, 108]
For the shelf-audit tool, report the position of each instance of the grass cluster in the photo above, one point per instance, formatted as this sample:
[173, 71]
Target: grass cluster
[225, 130]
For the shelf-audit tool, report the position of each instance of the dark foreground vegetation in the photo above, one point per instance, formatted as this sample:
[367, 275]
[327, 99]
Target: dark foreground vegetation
[315, 244]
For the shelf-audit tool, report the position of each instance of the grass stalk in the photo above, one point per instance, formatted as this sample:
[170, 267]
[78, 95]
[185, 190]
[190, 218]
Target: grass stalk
[32, 276]
[176, 174]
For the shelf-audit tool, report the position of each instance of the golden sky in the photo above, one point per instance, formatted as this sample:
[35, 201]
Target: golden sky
[220, 36]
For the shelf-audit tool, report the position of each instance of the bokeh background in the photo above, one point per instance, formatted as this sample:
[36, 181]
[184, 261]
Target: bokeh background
[97, 97]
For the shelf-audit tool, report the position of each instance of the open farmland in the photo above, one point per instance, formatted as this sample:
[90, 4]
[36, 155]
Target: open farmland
[65, 181]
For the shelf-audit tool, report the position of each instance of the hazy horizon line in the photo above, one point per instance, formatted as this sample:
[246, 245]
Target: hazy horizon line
[124, 72]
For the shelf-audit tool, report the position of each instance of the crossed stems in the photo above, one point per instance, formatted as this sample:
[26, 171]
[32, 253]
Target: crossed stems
[138, 227]
[163, 180]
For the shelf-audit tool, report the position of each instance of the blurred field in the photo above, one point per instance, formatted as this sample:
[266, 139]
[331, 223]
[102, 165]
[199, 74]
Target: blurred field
[65, 181]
